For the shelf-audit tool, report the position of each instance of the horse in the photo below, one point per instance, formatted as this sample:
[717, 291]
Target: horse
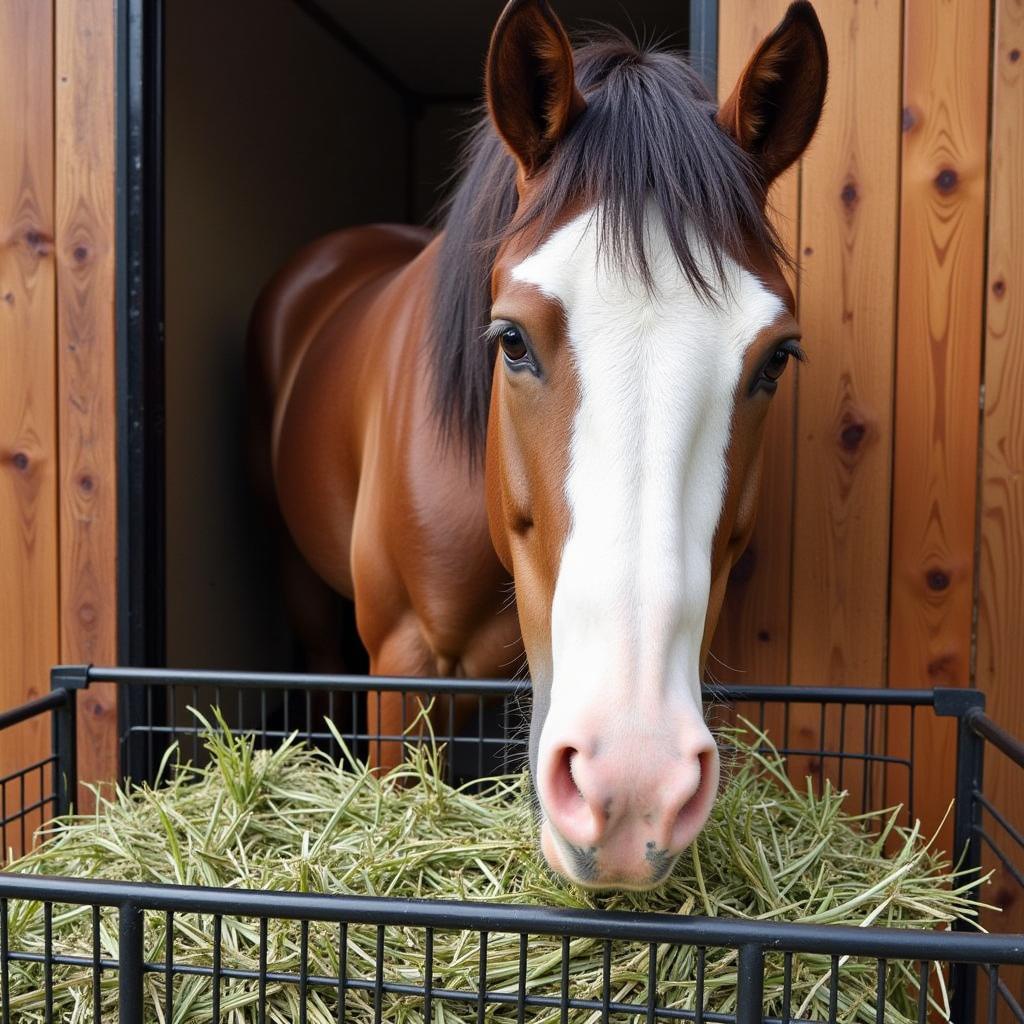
[539, 430]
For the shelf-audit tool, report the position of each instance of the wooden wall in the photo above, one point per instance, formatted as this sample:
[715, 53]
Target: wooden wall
[890, 542]
[58, 483]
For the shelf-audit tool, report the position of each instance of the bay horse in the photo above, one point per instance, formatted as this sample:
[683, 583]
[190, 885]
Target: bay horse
[563, 391]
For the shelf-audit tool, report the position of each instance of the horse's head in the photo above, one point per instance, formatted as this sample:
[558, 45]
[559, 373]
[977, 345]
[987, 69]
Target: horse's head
[641, 322]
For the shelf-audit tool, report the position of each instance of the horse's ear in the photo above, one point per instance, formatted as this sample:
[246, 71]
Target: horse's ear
[530, 82]
[774, 109]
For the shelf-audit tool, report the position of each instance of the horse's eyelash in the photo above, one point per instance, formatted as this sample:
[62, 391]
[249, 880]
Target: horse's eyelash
[794, 348]
[493, 330]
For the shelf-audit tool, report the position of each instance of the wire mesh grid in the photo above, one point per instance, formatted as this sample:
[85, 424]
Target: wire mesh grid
[330, 958]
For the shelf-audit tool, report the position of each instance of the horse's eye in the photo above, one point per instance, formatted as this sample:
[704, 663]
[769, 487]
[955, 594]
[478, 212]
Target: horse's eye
[773, 368]
[776, 364]
[513, 344]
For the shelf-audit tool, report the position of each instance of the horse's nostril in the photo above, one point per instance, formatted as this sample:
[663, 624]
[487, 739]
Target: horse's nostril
[567, 788]
[566, 796]
[572, 774]
[695, 806]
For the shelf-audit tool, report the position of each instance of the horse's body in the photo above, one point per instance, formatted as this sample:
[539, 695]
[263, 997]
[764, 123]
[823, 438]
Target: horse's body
[565, 388]
[386, 513]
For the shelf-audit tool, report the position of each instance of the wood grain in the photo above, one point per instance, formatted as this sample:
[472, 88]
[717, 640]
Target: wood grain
[28, 441]
[751, 644]
[938, 360]
[848, 222]
[1000, 636]
[85, 183]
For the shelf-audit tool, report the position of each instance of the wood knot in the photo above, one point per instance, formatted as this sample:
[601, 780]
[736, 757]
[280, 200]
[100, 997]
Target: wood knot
[86, 614]
[20, 461]
[95, 708]
[999, 288]
[943, 668]
[763, 636]
[808, 251]
[910, 119]
[1014, 55]
[946, 180]
[9, 298]
[937, 579]
[80, 253]
[37, 241]
[852, 435]
[744, 567]
[850, 196]
[85, 482]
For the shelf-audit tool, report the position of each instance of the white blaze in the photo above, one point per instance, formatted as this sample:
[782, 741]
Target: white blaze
[658, 375]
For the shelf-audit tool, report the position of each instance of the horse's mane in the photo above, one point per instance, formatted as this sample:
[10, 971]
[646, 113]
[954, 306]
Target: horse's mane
[648, 133]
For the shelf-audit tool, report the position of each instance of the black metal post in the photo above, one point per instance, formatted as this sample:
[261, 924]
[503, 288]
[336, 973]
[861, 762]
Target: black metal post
[966, 705]
[66, 679]
[750, 984]
[140, 335]
[704, 41]
[129, 963]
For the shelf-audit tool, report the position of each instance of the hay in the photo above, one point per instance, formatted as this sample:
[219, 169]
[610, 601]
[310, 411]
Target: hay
[293, 819]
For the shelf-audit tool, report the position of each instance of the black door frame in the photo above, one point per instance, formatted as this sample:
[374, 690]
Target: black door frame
[141, 578]
[140, 333]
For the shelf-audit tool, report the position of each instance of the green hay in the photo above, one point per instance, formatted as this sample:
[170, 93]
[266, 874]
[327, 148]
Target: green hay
[292, 819]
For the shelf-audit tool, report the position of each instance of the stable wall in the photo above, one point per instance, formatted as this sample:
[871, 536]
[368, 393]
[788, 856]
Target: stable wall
[58, 482]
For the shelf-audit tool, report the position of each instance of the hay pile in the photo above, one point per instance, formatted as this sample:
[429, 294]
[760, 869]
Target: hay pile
[293, 819]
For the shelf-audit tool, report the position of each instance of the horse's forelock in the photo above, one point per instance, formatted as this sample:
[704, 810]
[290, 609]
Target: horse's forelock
[648, 135]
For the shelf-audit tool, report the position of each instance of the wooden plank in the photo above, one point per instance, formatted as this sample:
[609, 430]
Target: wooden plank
[28, 442]
[752, 641]
[938, 360]
[1000, 636]
[848, 222]
[85, 149]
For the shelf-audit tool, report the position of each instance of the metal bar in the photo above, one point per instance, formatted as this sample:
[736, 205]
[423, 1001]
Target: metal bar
[303, 971]
[750, 984]
[97, 969]
[378, 979]
[169, 967]
[48, 962]
[981, 724]
[5, 970]
[875, 942]
[428, 976]
[218, 933]
[704, 41]
[481, 983]
[606, 982]
[261, 984]
[652, 982]
[497, 687]
[1010, 999]
[563, 994]
[64, 736]
[1001, 818]
[342, 970]
[141, 560]
[31, 708]
[129, 962]
[970, 763]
